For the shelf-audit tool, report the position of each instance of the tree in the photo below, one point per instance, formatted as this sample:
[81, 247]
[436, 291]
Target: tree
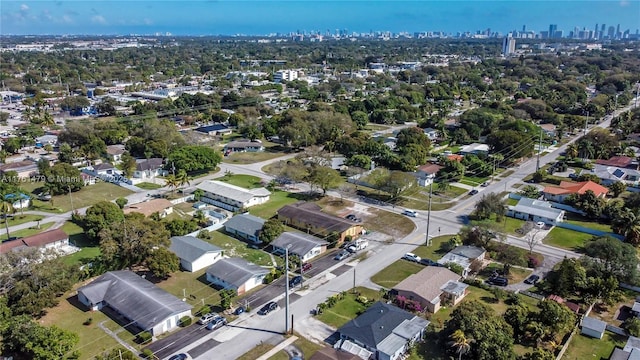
[567, 277]
[12, 145]
[517, 316]
[556, 317]
[182, 178]
[617, 188]
[627, 223]
[612, 257]
[538, 354]
[490, 204]
[539, 176]
[532, 239]
[100, 216]
[198, 194]
[181, 227]
[442, 186]
[226, 297]
[587, 202]
[530, 191]
[63, 178]
[632, 326]
[127, 164]
[163, 262]
[27, 339]
[117, 353]
[399, 183]
[172, 182]
[6, 207]
[346, 190]
[271, 229]
[451, 171]
[194, 158]
[323, 177]
[460, 343]
[121, 202]
[572, 151]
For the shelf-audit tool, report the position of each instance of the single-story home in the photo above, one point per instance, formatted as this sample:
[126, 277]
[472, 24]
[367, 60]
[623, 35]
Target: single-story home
[231, 197]
[52, 239]
[304, 246]
[463, 255]
[475, 149]
[427, 173]
[617, 161]
[593, 327]
[237, 274]
[104, 169]
[163, 207]
[432, 134]
[535, 210]
[243, 145]
[308, 216]
[146, 305]
[566, 188]
[327, 353]
[245, 226]
[548, 129]
[215, 129]
[432, 287]
[631, 350]
[115, 152]
[385, 331]
[194, 254]
[47, 139]
[611, 174]
[149, 168]
[25, 168]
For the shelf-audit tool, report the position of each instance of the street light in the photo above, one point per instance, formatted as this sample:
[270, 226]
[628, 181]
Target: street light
[286, 287]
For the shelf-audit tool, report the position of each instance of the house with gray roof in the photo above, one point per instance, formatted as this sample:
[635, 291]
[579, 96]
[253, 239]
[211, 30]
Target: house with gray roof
[528, 209]
[593, 327]
[611, 174]
[231, 197]
[463, 255]
[245, 226]
[149, 168]
[631, 350]
[309, 217]
[237, 274]
[302, 245]
[143, 303]
[384, 330]
[194, 254]
[243, 145]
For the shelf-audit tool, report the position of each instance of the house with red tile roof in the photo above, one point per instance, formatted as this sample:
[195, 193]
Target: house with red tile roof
[618, 161]
[455, 157]
[566, 188]
[46, 240]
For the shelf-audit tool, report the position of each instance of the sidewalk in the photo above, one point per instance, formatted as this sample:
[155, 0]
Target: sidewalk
[278, 347]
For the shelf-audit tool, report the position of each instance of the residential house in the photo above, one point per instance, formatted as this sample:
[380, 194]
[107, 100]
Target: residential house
[611, 174]
[88, 179]
[327, 353]
[163, 207]
[245, 226]
[535, 210]
[52, 239]
[454, 157]
[308, 216]
[451, 124]
[237, 274]
[25, 169]
[432, 134]
[631, 350]
[383, 330]
[427, 173]
[48, 139]
[104, 169]
[149, 168]
[141, 302]
[464, 256]
[593, 327]
[18, 200]
[231, 197]
[306, 247]
[115, 153]
[566, 188]
[215, 129]
[617, 161]
[548, 129]
[194, 254]
[243, 145]
[475, 149]
[432, 287]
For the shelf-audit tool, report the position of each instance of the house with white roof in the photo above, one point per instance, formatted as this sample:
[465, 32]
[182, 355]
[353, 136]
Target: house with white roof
[535, 210]
[463, 255]
[231, 197]
[475, 149]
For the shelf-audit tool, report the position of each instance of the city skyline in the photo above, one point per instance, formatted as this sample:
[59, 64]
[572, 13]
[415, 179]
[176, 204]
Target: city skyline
[265, 17]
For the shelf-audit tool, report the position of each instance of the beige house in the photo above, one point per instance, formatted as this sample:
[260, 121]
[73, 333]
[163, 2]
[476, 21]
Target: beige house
[432, 287]
[163, 207]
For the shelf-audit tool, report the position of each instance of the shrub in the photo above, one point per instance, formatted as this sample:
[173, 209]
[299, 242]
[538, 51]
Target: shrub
[147, 354]
[185, 321]
[362, 300]
[144, 337]
[532, 262]
[204, 310]
[512, 299]
[88, 321]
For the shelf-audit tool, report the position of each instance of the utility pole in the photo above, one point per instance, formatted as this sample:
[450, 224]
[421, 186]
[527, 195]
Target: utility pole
[354, 279]
[586, 123]
[70, 198]
[286, 289]
[428, 240]
[539, 151]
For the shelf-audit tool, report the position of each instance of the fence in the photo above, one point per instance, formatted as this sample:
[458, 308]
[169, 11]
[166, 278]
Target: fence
[532, 295]
[181, 200]
[588, 230]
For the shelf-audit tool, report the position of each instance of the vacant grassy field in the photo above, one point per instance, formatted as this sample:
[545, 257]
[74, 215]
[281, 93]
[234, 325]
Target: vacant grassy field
[437, 203]
[395, 273]
[307, 347]
[87, 196]
[277, 200]
[148, 186]
[25, 232]
[432, 251]
[256, 352]
[512, 202]
[193, 285]
[236, 248]
[567, 239]
[245, 181]
[584, 347]
[347, 308]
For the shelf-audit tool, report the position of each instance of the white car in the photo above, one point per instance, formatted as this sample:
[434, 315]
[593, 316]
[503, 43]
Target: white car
[540, 224]
[207, 318]
[412, 257]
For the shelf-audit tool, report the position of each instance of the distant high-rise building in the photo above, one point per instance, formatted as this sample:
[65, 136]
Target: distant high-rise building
[552, 30]
[611, 32]
[602, 30]
[618, 32]
[508, 46]
[524, 28]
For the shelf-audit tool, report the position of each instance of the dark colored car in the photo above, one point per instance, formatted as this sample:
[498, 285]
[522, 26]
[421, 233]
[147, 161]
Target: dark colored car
[217, 323]
[428, 262]
[350, 217]
[178, 357]
[295, 281]
[239, 310]
[305, 267]
[531, 280]
[473, 192]
[498, 280]
[269, 307]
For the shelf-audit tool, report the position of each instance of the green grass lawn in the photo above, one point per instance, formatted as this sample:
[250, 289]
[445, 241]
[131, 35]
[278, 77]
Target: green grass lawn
[193, 285]
[18, 219]
[567, 239]
[395, 273]
[509, 225]
[515, 276]
[277, 200]
[474, 180]
[584, 347]
[242, 180]
[347, 308]
[437, 203]
[25, 232]
[256, 352]
[251, 157]
[148, 186]
[512, 202]
[78, 238]
[584, 222]
[307, 347]
[87, 196]
[432, 251]
[236, 248]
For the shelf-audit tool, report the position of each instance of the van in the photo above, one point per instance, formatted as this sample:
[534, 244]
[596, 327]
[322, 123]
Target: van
[410, 213]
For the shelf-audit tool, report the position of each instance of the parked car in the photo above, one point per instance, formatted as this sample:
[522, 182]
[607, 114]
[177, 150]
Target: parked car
[217, 323]
[350, 217]
[532, 280]
[485, 184]
[239, 310]
[305, 267]
[473, 192]
[411, 257]
[410, 213]
[540, 224]
[428, 262]
[352, 249]
[179, 357]
[342, 255]
[498, 280]
[295, 281]
[269, 307]
[207, 318]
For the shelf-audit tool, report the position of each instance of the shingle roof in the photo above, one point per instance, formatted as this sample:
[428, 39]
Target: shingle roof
[117, 149]
[313, 216]
[103, 166]
[471, 252]
[231, 191]
[210, 128]
[300, 243]
[149, 164]
[537, 208]
[333, 354]
[246, 224]
[619, 161]
[567, 187]
[19, 165]
[430, 168]
[375, 324]
[45, 238]
[594, 324]
[134, 297]
[244, 143]
[190, 248]
[235, 271]
[428, 282]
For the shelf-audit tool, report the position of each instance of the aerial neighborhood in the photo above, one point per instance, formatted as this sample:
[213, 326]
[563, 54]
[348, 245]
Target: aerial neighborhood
[380, 197]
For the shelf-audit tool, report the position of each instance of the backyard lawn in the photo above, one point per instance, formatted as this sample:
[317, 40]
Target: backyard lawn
[242, 180]
[567, 238]
[277, 200]
[432, 251]
[78, 238]
[584, 222]
[251, 157]
[236, 248]
[193, 285]
[87, 196]
[148, 186]
[347, 308]
[395, 273]
[515, 276]
[307, 347]
[25, 232]
[584, 347]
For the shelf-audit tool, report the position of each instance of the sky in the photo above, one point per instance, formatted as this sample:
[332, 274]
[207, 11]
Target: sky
[260, 17]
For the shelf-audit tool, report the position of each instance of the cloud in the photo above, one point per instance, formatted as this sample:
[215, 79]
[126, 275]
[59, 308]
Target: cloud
[24, 7]
[98, 19]
[624, 3]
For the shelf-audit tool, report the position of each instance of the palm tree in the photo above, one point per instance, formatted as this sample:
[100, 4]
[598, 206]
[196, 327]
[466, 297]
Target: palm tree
[460, 342]
[572, 151]
[628, 224]
[182, 178]
[172, 182]
[198, 194]
[6, 208]
[47, 120]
